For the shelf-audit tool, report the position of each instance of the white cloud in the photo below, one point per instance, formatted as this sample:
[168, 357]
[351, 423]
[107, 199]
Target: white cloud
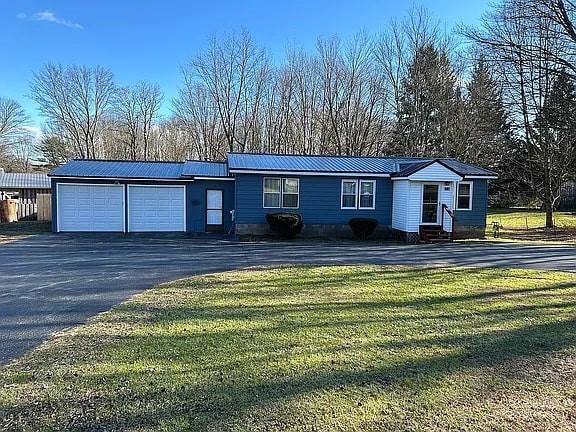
[49, 16]
[34, 131]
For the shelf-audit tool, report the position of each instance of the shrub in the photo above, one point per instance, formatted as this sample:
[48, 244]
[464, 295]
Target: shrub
[363, 228]
[286, 225]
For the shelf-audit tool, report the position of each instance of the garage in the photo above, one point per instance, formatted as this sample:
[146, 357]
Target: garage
[90, 207]
[156, 208]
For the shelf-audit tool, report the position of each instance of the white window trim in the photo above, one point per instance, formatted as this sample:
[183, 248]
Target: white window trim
[469, 208]
[359, 189]
[290, 193]
[264, 193]
[357, 198]
[281, 193]
[342, 194]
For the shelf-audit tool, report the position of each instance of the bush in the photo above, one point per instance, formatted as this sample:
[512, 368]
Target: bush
[363, 228]
[286, 225]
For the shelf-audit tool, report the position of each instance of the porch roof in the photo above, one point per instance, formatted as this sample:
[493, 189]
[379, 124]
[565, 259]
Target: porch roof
[460, 168]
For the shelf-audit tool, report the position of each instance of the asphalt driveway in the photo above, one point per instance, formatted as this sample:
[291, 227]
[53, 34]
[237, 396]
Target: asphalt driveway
[51, 282]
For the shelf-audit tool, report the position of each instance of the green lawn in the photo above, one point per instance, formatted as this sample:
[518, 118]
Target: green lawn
[313, 348]
[16, 230]
[522, 224]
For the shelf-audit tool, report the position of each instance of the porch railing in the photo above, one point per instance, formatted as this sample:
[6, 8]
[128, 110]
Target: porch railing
[449, 212]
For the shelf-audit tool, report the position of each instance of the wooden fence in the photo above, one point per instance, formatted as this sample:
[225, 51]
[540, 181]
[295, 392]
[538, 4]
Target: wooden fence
[40, 210]
[44, 207]
[26, 211]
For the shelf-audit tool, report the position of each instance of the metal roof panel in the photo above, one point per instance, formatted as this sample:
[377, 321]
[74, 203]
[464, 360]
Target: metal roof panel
[205, 169]
[119, 169]
[24, 181]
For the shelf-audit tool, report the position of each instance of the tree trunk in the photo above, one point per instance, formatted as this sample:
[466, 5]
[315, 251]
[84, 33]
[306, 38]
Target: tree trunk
[549, 215]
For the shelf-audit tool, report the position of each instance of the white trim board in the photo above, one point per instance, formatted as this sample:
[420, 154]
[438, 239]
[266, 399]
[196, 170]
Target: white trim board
[215, 178]
[121, 179]
[309, 173]
[480, 177]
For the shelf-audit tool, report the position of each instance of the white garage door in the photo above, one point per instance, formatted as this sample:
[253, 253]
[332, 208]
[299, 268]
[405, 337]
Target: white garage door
[156, 208]
[90, 207]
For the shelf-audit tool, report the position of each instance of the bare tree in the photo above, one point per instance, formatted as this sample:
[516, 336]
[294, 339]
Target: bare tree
[149, 98]
[195, 113]
[234, 72]
[13, 121]
[75, 100]
[23, 151]
[523, 50]
[128, 120]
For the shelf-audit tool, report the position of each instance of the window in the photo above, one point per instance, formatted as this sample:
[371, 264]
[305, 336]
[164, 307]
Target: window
[272, 192]
[281, 192]
[367, 194]
[349, 194]
[358, 194]
[464, 197]
[290, 192]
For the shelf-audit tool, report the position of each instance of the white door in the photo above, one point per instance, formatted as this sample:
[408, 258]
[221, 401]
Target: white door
[214, 209]
[156, 208]
[88, 207]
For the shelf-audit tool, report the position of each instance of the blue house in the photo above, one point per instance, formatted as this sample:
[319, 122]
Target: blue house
[408, 196]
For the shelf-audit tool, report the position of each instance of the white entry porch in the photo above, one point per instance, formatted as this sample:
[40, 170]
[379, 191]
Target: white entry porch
[425, 199]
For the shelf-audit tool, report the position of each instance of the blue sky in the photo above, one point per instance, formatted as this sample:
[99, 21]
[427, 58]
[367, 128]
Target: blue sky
[149, 40]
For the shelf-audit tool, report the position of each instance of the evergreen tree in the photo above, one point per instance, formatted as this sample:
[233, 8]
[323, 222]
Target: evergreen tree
[489, 132]
[489, 141]
[428, 99]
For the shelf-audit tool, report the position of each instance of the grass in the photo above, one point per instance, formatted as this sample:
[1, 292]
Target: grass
[354, 348]
[520, 224]
[15, 230]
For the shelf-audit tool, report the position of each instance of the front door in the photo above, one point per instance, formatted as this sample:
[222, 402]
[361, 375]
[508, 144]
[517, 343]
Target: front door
[430, 194]
[214, 219]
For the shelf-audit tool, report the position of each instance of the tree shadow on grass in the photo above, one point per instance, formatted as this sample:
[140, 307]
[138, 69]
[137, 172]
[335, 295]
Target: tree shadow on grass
[217, 403]
[202, 378]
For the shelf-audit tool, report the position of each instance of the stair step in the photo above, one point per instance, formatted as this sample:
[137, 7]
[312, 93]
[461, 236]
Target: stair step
[440, 240]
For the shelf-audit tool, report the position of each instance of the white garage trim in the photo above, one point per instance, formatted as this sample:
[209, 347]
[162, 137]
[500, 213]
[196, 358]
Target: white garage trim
[187, 180]
[59, 207]
[156, 186]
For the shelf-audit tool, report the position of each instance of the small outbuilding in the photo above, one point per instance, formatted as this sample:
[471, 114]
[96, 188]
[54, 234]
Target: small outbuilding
[25, 189]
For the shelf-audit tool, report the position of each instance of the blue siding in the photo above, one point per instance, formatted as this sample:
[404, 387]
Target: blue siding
[319, 200]
[196, 202]
[195, 199]
[476, 216]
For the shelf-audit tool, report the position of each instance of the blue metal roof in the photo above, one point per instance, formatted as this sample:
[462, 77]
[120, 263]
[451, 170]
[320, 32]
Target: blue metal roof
[336, 164]
[455, 165]
[119, 169]
[398, 166]
[205, 169]
[24, 181]
[465, 169]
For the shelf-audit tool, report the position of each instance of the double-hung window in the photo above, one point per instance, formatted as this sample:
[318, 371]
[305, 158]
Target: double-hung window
[358, 194]
[290, 192]
[464, 196]
[349, 194]
[281, 192]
